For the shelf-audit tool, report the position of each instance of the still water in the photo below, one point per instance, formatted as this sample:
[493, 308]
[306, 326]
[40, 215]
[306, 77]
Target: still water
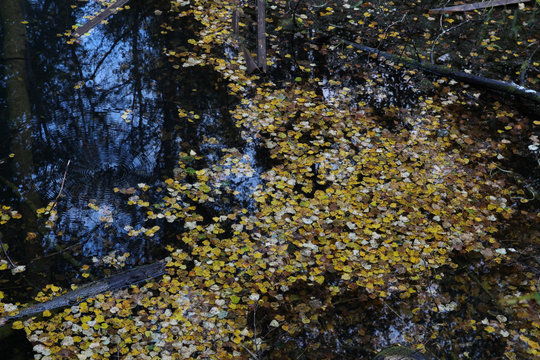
[107, 104]
[101, 119]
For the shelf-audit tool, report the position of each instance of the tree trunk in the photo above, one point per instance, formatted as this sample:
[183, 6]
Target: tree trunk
[261, 34]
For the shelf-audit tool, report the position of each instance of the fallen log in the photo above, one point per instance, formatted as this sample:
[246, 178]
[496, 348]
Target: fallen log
[401, 353]
[96, 20]
[476, 6]
[111, 283]
[492, 84]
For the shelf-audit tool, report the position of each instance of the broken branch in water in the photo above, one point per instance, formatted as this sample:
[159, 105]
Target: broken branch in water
[13, 266]
[492, 84]
[96, 20]
[476, 6]
[61, 186]
[111, 283]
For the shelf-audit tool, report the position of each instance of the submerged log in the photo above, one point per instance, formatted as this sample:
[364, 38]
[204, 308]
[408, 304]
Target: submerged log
[400, 353]
[96, 20]
[492, 84]
[111, 283]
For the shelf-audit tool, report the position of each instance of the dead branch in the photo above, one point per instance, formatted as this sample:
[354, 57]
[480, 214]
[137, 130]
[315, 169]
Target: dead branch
[476, 6]
[111, 283]
[96, 20]
[492, 84]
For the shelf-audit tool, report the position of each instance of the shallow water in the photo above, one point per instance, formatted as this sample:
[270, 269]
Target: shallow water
[108, 105]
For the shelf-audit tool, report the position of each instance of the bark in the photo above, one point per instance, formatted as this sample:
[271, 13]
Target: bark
[261, 34]
[492, 84]
[235, 20]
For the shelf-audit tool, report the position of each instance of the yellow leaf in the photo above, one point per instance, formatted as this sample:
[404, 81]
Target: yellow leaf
[17, 325]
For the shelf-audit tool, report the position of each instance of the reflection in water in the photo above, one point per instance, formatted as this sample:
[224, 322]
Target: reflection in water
[100, 111]
[109, 104]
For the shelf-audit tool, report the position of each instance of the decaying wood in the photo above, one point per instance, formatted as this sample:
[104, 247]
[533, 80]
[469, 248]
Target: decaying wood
[261, 34]
[250, 63]
[236, 21]
[96, 20]
[111, 283]
[476, 80]
[476, 6]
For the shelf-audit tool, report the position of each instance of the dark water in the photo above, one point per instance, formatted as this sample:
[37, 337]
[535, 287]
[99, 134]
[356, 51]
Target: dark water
[109, 105]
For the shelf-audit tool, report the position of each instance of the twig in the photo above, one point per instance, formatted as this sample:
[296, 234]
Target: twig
[302, 353]
[439, 70]
[235, 20]
[394, 311]
[55, 253]
[254, 356]
[320, 6]
[13, 266]
[533, 193]
[388, 28]
[61, 186]
[526, 64]
[441, 34]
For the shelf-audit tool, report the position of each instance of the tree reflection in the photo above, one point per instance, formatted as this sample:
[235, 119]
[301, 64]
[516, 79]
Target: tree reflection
[109, 103]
